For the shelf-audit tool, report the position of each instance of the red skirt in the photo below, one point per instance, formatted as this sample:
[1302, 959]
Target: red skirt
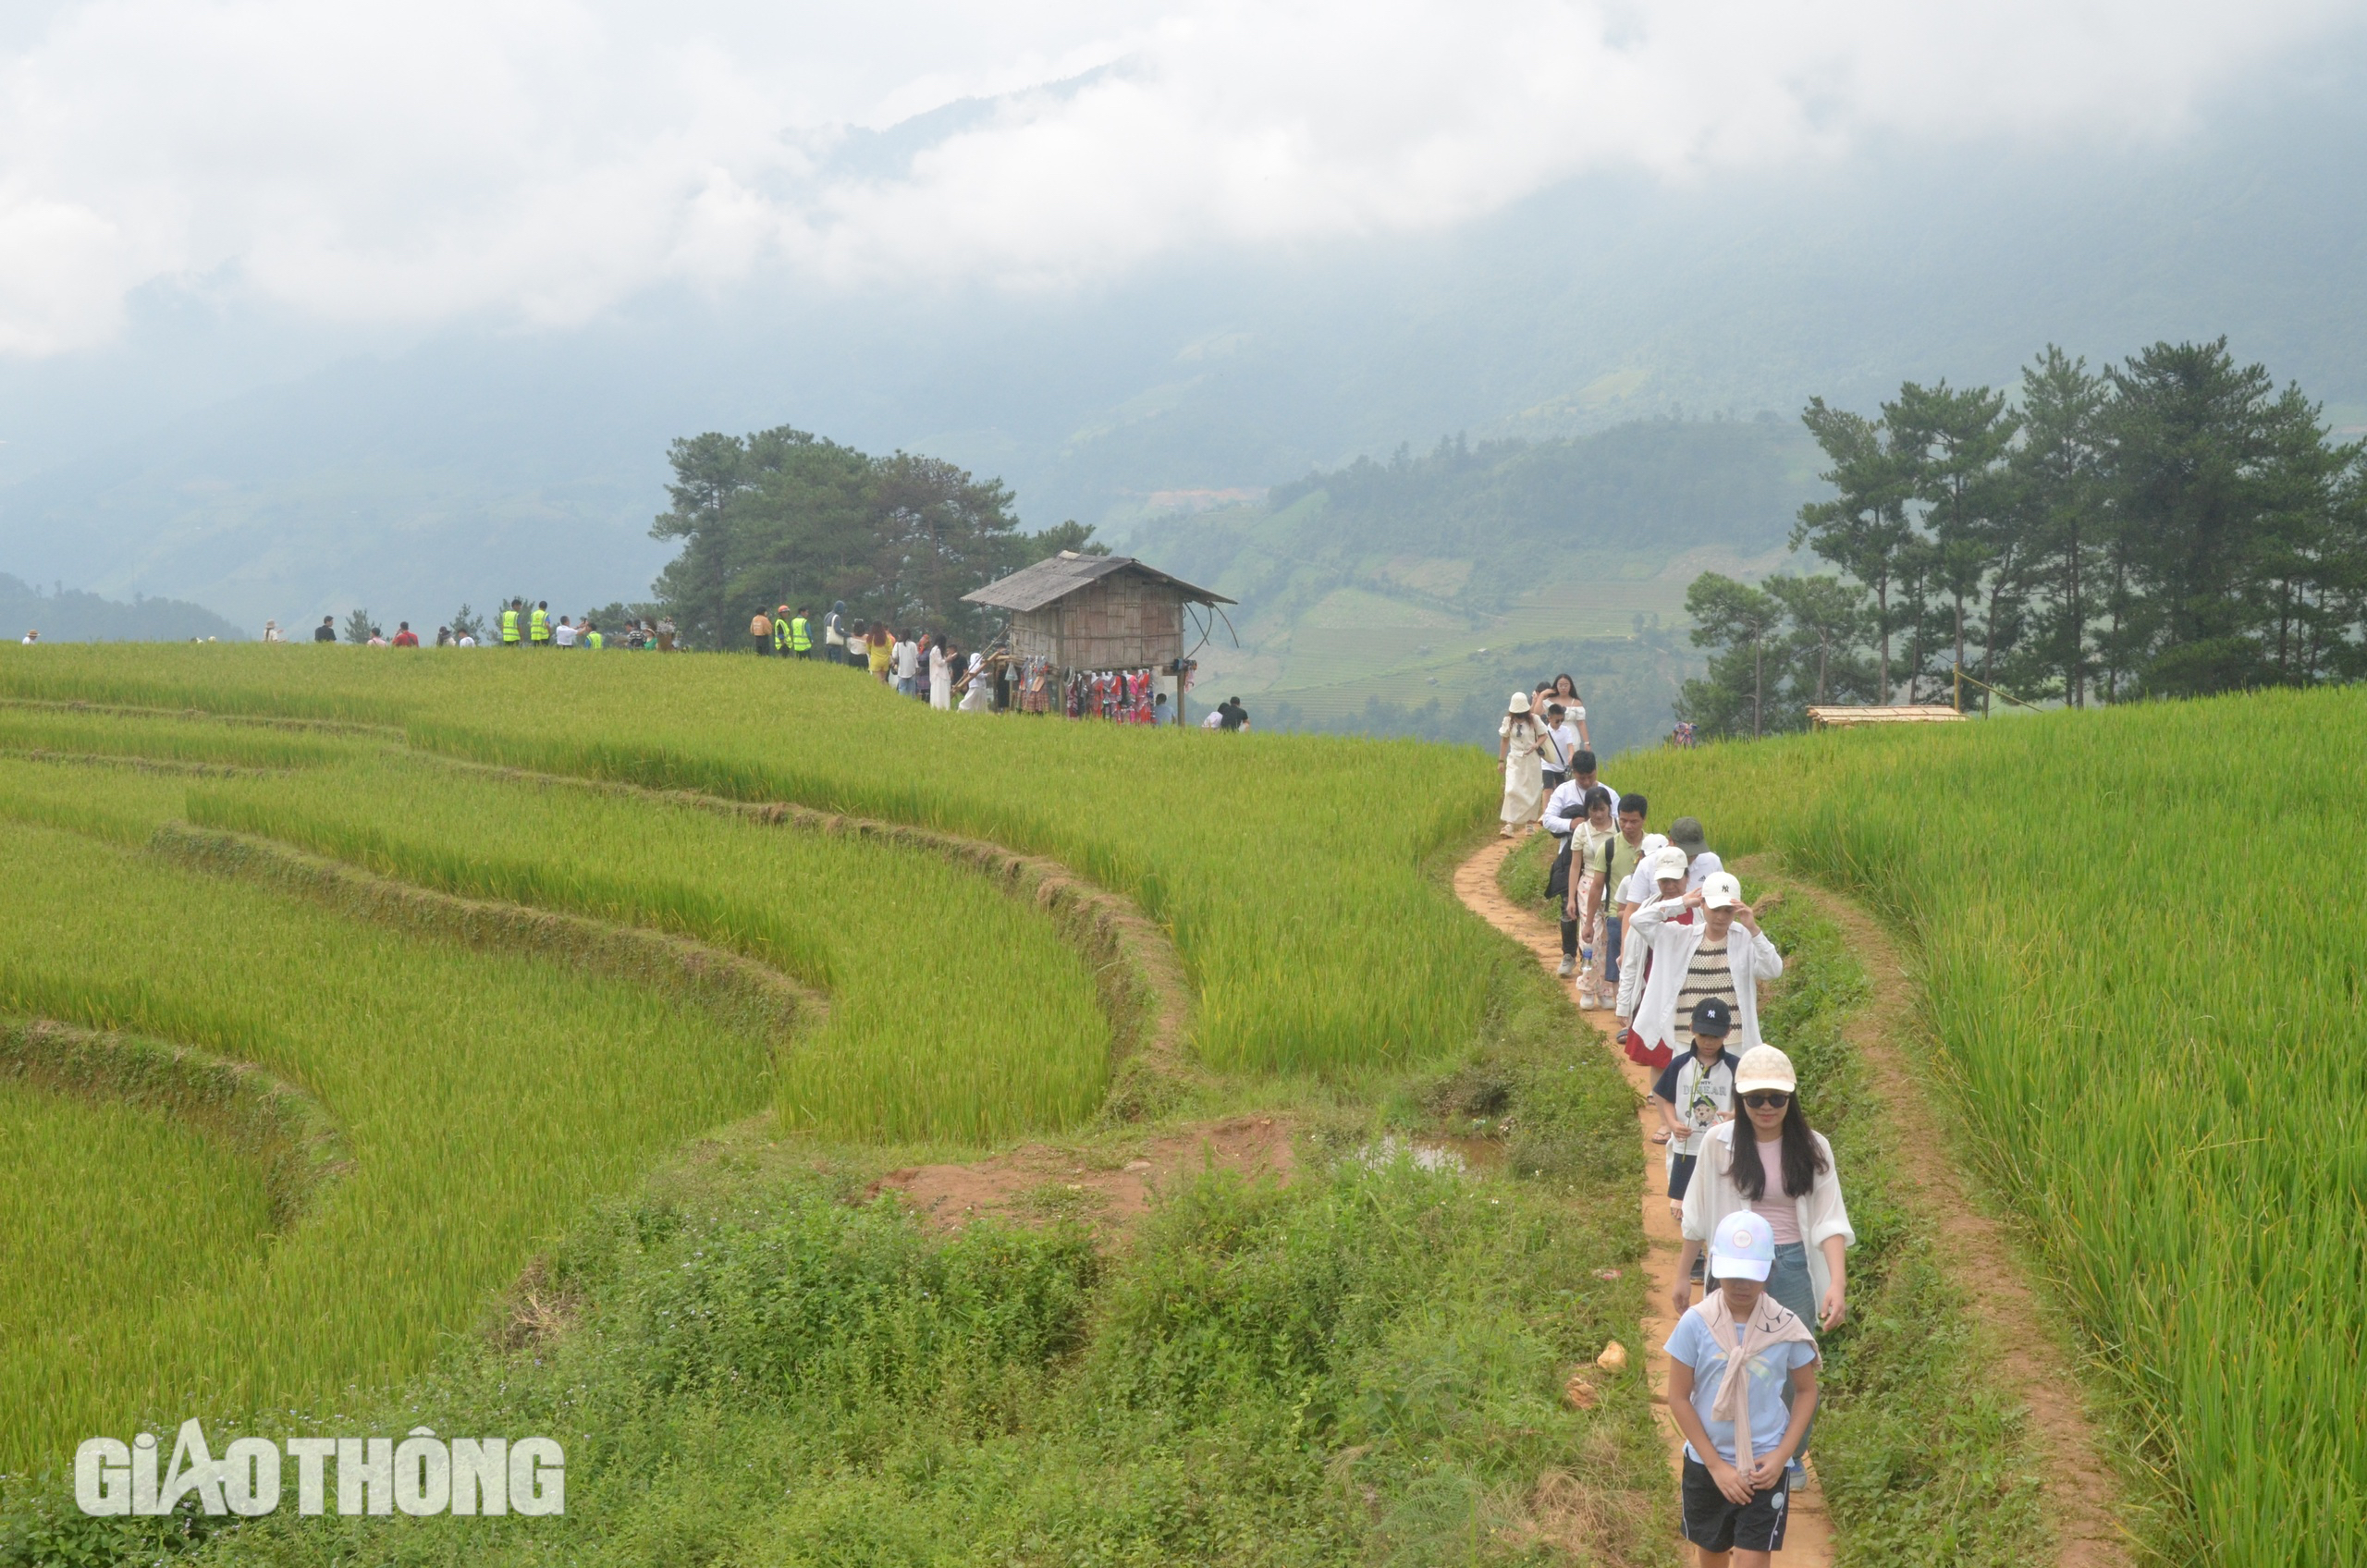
[1654, 1057]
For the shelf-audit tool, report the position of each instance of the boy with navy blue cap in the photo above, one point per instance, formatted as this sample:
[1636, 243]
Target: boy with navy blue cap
[1729, 1361]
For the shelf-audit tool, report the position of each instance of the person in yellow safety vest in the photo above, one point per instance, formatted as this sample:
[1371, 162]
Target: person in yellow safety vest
[592, 638]
[801, 634]
[509, 623]
[538, 625]
[760, 627]
[781, 632]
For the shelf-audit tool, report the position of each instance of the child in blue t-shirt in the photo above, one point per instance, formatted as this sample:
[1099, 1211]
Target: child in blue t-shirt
[1738, 1435]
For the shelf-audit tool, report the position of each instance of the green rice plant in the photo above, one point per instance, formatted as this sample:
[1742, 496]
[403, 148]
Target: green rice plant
[486, 1097]
[105, 798]
[956, 1012]
[2144, 966]
[170, 1209]
[1287, 868]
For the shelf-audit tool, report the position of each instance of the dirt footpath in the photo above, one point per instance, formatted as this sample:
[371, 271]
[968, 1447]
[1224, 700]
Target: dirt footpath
[1810, 1538]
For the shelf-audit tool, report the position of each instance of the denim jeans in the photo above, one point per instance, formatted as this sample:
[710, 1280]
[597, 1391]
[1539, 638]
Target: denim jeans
[1609, 957]
[1789, 1283]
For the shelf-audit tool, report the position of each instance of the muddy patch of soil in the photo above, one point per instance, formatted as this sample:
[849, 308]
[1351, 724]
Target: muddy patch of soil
[1038, 1183]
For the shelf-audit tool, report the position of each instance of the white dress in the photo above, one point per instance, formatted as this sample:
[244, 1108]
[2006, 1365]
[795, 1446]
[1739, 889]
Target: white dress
[1524, 773]
[940, 680]
[980, 697]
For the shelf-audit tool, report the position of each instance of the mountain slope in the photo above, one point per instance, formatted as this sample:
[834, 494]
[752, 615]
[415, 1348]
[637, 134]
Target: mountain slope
[1410, 597]
[72, 617]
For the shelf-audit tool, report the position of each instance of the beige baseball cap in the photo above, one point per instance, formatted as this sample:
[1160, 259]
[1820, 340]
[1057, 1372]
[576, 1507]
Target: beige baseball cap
[1670, 861]
[1764, 1067]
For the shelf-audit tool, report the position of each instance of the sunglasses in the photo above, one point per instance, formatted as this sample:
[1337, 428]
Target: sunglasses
[1774, 1100]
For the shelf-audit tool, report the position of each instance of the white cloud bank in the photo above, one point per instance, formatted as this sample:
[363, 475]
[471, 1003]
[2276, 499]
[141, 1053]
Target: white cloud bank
[544, 159]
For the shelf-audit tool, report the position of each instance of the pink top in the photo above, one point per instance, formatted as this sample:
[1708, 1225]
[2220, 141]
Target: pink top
[1783, 1215]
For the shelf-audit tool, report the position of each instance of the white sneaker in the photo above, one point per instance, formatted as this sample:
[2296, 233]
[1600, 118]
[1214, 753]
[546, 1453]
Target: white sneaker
[1588, 1001]
[1569, 966]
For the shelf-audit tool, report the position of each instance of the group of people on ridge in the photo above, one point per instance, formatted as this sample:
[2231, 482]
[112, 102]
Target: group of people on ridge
[1655, 931]
[514, 627]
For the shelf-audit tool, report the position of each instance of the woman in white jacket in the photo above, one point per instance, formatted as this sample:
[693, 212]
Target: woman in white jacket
[1661, 1019]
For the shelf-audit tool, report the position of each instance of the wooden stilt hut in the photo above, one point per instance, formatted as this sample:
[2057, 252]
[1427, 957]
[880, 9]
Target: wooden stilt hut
[1097, 616]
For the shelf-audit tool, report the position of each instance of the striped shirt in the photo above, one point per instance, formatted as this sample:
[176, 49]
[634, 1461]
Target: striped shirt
[1710, 974]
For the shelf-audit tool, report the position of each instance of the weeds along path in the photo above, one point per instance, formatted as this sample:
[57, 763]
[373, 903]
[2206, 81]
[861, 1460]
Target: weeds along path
[1809, 1538]
[2036, 1371]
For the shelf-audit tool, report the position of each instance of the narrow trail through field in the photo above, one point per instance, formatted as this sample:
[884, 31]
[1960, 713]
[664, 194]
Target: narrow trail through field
[2034, 1369]
[1809, 1540]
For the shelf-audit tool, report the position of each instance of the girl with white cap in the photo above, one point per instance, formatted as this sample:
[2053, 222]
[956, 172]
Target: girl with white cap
[1519, 739]
[1742, 1388]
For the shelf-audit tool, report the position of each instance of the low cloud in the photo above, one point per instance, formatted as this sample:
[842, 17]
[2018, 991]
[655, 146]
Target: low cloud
[541, 160]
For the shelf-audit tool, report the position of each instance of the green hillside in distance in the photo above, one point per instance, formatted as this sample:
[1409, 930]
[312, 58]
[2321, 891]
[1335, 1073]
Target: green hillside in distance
[77, 616]
[1411, 596]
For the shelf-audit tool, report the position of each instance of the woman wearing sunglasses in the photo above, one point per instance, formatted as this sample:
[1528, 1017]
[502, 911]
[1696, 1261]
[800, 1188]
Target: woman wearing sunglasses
[1783, 1171]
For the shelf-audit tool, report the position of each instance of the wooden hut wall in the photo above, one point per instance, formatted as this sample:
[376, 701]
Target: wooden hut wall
[1122, 622]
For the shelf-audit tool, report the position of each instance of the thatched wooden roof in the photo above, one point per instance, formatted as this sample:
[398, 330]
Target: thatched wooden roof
[1031, 588]
[1843, 718]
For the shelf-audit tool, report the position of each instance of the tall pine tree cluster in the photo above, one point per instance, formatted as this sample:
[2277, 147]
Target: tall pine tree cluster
[2175, 525]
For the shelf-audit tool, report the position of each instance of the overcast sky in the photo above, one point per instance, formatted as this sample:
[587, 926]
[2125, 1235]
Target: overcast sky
[540, 161]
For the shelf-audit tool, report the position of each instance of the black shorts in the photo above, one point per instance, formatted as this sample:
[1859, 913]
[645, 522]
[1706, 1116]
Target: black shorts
[1716, 1523]
[1680, 1174]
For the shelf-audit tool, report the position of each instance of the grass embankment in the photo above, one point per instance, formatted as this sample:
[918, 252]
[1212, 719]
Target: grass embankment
[1923, 1462]
[2144, 969]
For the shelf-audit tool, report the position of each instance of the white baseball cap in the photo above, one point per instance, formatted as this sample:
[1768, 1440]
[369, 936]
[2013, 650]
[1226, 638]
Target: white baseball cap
[1764, 1067]
[1743, 1248]
[1651, 844]
[1670, 861]
[1720, 890]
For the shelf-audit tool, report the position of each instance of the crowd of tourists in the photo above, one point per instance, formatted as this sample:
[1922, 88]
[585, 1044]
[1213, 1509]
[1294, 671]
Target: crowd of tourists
[1656, 933]
[925, 666]
[515, 625]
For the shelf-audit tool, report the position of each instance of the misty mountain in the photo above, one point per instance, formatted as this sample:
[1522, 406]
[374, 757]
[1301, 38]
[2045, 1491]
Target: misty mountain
[71, 616]
[309, 470]
[1410, 596]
